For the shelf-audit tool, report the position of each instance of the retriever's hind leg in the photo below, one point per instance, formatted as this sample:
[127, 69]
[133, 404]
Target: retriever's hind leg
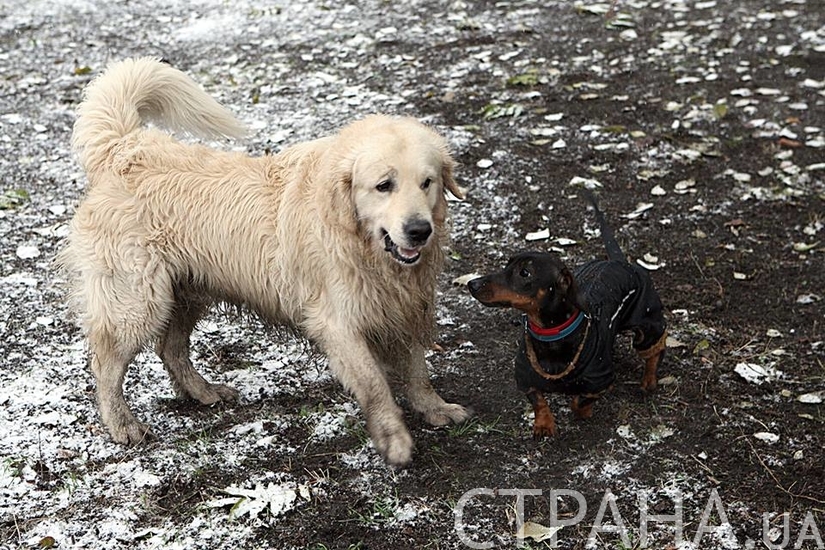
[121, 317]
[173, 349]
[109, 362]
[421, 394]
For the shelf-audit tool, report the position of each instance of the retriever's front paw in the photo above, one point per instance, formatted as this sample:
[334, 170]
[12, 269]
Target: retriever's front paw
[447, 413]
[214, 393]
[131, 433]
[393, 442]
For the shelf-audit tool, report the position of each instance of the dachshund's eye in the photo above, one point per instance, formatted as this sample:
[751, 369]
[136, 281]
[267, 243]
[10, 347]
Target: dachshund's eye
[426, 184]
[524, 273]
[384, 187]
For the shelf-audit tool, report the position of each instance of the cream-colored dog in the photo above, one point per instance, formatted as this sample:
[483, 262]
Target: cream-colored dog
[340, 237]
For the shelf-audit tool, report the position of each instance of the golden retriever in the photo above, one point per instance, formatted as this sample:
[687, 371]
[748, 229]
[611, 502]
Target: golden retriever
[340, 237]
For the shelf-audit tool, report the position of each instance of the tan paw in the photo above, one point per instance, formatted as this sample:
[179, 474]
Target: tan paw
[213, 393]
[131, 433]
[649, 383]
[544, 429]
[394, 445]
[446, 414]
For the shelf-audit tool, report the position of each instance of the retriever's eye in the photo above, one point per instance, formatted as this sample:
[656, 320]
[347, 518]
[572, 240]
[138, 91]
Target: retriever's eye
[524, 273]
[426, 184]
[384, 187]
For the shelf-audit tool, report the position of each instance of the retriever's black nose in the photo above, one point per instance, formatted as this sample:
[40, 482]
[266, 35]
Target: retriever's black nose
[418, 231]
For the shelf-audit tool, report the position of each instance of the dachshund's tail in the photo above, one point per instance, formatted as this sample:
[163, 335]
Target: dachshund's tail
[614, 251]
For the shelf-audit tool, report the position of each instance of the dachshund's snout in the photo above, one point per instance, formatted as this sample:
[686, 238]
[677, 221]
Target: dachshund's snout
[475, 285]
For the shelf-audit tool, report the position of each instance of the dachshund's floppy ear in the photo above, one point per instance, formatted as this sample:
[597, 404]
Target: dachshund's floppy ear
[570, 290]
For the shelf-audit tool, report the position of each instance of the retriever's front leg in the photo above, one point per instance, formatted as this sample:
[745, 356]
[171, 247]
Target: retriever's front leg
[355, 367]
[423, 397]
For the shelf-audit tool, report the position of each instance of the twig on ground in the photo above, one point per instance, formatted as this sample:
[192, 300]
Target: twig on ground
[612, 11]
[776, 481]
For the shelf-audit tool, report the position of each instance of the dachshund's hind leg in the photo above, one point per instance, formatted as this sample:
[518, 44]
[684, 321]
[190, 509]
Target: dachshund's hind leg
[653, 357]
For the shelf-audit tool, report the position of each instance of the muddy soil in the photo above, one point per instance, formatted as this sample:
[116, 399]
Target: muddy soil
[700, 125]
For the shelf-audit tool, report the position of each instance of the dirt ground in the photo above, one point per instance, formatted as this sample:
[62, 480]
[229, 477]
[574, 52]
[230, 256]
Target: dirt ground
[701, 125]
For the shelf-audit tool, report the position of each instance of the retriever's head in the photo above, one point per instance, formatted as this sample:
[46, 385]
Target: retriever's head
[397, 171]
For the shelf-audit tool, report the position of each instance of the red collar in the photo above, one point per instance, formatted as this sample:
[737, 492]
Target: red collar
[558, 331]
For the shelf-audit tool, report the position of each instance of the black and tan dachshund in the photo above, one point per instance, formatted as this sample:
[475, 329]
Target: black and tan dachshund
[571, 320]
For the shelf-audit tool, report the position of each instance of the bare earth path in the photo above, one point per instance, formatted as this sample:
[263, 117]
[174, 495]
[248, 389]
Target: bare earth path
[700, 122]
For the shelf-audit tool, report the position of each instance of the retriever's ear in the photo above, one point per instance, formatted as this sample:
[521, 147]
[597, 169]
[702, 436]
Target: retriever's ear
[337, 191]
[447, 167]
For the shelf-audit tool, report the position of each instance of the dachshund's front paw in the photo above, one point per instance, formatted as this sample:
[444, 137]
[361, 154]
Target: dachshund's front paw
[544, 426]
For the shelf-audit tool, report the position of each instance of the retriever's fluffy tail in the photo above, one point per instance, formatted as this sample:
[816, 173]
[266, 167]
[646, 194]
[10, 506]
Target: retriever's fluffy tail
[135, 91]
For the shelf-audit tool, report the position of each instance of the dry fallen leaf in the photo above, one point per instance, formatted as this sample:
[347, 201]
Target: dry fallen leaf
[536, 531]
[757, 374]
[640, 209]
[674, 343]
[767, 437]
[587, 183]
[464, 279]
[810, 398]
[649, 262]
[805, 247]
[538, 235]
[668, 380]
[808, 298]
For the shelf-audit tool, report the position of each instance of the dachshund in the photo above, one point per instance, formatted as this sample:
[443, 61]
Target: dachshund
[571, 319]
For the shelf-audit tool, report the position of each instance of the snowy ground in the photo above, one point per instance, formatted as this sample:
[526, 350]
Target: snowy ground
[291, 466]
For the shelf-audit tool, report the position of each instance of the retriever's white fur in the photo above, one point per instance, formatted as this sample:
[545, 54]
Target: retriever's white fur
[330, 236]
